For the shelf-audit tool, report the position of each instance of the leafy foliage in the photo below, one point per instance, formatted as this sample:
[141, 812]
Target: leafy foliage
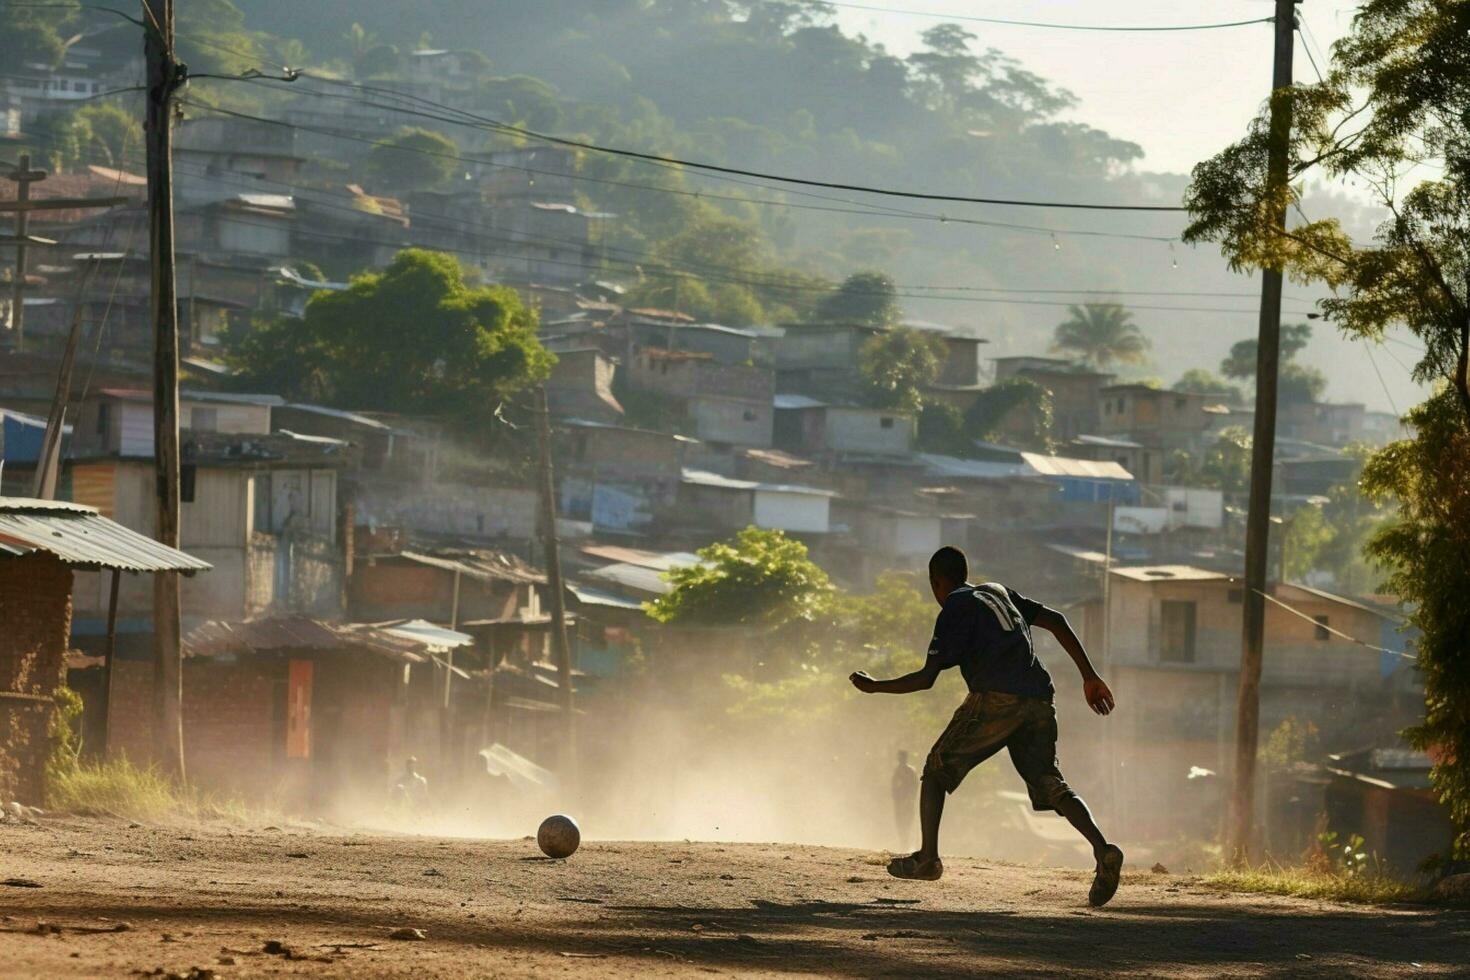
[99, 132]
[1295, 382]
[33, 35]
[414, 159]
[760, 577]
[1016, 409]
[1101, 334]
[1203, 382]
[412, 338]
[1426, 549]
[897, 365]
[868, 298]
[1395, 95]
[942, 430]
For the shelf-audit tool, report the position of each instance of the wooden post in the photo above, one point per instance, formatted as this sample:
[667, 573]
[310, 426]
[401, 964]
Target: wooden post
[164, 78]
[1258, 518]
[106, 711]
[561, 650]
[23, 176]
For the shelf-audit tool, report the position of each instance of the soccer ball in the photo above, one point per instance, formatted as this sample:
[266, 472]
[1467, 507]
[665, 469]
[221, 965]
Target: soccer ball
[558, 836]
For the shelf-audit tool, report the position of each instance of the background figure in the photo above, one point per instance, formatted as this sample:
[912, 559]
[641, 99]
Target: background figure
[411, 790]
[905, 788]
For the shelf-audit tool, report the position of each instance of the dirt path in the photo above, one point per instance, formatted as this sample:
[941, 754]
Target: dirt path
[211, 898]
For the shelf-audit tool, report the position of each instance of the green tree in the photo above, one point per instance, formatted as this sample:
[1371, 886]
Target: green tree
[412, 338]
[1395, 95]
[1203, 382]
[1295, 382]
[35, 35]
[1101, 334]
[1425, 548]
[1016, 409]
[414, 159]
[868, 298]
[942, 430]
[760, 577]
[897, 365]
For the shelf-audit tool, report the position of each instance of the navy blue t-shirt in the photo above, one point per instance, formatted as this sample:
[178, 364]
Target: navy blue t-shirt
[985, 630]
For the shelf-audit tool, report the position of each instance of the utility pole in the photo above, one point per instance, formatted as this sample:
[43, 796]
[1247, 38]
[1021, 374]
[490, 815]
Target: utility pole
[24, 177]
[165, 75]
[560, 649]
[1258, 518]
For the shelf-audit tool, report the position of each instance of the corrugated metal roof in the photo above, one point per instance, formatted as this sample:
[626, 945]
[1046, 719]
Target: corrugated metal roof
[660, 560]
[597, 597]
[972, 469]
[796, 402]
[83, 538]
[1064, 466]
[217, 637]
[435, 637]
[487, 566]
[705, 479]
[646, 580]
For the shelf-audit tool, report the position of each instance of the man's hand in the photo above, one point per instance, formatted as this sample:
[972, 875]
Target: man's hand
[1099, 698]
[863, 682]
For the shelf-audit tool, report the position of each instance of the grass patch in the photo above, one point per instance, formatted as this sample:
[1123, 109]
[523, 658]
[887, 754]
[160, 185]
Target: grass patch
[117, 788]
[1369, 887]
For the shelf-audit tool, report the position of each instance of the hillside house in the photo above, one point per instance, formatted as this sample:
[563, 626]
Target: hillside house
[120, 420]
[808, 427]
[215, 155]
[721, 403]
[1075, 391]
[728, 504]
[581, 386]
[1174, 645]
[1156, 418]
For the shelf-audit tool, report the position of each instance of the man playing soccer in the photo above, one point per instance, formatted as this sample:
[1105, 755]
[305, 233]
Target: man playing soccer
[985, 630]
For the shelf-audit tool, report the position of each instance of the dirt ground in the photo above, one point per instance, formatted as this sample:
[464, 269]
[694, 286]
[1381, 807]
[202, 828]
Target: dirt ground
[116, 900]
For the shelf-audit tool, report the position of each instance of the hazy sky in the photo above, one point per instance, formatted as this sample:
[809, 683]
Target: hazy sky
[1181, 95]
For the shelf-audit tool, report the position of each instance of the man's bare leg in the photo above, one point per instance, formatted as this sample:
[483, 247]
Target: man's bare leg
[924, 864]
[1109, 857]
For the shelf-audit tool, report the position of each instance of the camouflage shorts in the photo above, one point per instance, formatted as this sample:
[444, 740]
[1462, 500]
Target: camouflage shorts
[989, 721]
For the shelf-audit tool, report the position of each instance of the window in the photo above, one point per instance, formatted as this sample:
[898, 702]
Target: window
[886, 422]
[1179, 404]
[1122, 404]
[104, 417]
[1176, 632]
[1321, 632]
[749, 416]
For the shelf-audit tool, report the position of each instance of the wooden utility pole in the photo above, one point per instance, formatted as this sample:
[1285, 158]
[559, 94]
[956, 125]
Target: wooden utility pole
[560, 648]
[24, 177]
[165, 76]
[1263, 446]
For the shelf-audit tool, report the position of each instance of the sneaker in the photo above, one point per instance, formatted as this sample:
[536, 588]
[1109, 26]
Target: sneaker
[914, 869]
[1105, 881]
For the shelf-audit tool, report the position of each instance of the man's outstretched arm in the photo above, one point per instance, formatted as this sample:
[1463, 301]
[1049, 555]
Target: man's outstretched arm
[1094, 688]
[920, 680]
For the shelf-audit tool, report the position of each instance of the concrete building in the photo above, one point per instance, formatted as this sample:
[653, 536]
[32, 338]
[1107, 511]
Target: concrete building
[1157, 418]
[720, 403]
[808, 427]
[581, 386]
[1075, 391]
[730, 505]
[1174, 635]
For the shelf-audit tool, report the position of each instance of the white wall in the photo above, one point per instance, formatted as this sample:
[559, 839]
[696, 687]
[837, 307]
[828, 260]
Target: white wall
[864, 431]
[792, 511]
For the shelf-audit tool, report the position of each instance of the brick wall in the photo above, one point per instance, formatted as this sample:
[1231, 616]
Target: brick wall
[35, 623]
[230, 720]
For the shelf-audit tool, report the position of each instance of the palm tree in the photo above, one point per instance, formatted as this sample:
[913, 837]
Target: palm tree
[1101, 334]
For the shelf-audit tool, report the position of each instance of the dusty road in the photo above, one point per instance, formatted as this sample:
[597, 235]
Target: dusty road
[213, 898]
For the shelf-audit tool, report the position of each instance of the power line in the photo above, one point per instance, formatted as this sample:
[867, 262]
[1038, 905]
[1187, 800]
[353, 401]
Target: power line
[1050, 25]
[766, 202]
[494, 125]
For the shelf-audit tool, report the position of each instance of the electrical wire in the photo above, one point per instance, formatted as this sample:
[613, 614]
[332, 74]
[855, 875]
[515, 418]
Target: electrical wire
[1050, 25]
[766, 202]
[496, 126]
[1335, 632]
